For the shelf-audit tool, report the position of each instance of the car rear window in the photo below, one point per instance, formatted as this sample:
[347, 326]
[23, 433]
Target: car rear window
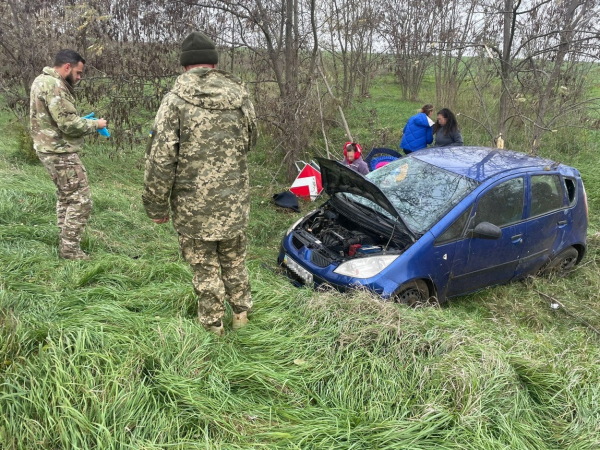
[571, 188]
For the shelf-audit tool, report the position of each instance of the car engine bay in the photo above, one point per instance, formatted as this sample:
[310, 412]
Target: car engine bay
[333, 237]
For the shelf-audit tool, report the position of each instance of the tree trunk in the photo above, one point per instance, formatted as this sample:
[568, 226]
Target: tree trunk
[505, 64]
[548, 94]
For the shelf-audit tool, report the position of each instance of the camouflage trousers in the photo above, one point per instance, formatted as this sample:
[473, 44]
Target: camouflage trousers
[74, 204]
[219, 272]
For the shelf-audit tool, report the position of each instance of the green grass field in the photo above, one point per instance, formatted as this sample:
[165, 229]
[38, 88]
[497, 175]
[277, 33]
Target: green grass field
[107, 354]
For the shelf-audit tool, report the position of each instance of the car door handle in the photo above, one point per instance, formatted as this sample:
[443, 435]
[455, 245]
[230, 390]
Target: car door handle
[562, 223]
[517, 238]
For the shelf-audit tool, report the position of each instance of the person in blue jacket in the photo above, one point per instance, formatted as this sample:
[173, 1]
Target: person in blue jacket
[418, 131]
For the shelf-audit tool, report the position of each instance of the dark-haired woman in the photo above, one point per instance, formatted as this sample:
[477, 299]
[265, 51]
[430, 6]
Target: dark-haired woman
[446, 130]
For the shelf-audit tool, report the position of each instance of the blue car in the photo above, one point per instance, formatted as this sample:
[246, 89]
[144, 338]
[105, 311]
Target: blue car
[439, 223]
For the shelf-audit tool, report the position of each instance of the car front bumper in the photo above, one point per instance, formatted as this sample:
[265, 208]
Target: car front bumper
[302, 272]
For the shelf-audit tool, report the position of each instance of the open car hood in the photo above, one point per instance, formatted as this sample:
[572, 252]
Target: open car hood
[338, 178]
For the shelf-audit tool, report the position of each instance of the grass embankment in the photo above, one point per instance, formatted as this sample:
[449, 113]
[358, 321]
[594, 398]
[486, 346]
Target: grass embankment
[107, 354]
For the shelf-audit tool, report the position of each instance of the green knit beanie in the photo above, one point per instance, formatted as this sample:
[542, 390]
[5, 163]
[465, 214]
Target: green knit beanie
[198, 48]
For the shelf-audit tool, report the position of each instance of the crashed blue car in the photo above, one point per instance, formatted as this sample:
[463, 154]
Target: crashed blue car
[439, 223]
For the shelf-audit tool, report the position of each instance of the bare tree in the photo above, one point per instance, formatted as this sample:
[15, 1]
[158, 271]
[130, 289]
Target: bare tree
[352, 29]
[458, 29]
[542, 62]
[26, 32]
[409, 30]
[540, 50]
[121, 42]
[282, 35]
[570, 39]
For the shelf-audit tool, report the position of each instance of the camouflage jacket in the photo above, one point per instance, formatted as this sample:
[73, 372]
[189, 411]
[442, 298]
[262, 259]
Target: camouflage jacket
[196, 158]
[55, 125]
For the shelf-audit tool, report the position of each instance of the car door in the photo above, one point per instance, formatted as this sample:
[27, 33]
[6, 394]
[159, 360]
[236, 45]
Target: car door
[482, 262]
[547, 220]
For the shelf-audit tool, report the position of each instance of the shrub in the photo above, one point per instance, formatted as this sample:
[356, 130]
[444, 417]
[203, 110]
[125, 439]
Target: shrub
[25, 144]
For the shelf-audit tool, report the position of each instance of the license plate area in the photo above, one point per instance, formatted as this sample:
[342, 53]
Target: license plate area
[303, 275]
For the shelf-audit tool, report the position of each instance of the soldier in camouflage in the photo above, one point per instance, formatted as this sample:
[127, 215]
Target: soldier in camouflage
[57, 132]
[196, 170]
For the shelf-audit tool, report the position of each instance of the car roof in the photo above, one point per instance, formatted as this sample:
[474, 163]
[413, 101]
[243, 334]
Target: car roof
[480, 163]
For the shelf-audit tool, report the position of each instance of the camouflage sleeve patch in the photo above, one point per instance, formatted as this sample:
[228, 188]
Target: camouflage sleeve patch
[161, 161]
[61, 108]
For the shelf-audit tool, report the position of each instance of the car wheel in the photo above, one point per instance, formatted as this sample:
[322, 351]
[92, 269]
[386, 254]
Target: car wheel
[562, 263]
[412, 293]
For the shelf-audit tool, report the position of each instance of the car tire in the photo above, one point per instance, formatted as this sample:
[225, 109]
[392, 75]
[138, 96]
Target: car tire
[412, 293]
[562, 263]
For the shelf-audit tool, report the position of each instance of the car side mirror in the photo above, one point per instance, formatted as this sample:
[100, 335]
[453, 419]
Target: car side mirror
[486, 230]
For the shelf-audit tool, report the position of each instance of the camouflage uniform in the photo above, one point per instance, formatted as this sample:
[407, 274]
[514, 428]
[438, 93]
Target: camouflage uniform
[57, 132]
[196, 168]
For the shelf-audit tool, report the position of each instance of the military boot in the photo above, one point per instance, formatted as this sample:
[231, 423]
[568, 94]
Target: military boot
[215, 329]
[72, 252]
[240, 320]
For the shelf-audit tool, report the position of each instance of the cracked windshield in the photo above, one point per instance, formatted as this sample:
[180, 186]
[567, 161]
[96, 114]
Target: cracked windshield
[420, 192]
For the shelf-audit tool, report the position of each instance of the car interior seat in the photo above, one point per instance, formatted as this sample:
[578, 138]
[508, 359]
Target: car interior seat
[542, 199]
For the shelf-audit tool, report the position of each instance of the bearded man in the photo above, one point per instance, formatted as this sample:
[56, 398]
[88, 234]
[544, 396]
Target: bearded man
[57, 131]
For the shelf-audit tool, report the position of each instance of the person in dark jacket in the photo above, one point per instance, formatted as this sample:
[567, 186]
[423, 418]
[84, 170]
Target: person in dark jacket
[353, 158]
[417, 132]
[446, 130]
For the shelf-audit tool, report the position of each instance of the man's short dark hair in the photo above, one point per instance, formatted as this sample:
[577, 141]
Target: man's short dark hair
[66, 56]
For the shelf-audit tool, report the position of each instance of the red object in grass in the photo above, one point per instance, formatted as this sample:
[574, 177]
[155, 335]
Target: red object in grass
[308, 183]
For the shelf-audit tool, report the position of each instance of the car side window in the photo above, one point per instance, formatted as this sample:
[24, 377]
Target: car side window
[503, 204]
[455, 230]
[571, 188]
[546, 194]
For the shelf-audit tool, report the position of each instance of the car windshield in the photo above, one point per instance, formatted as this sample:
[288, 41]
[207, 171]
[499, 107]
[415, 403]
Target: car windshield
[420, 192]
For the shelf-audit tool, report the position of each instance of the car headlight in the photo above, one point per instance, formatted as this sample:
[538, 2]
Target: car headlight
[365, 267]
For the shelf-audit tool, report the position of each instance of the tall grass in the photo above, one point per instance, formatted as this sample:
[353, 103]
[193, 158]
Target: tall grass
[107, 353]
